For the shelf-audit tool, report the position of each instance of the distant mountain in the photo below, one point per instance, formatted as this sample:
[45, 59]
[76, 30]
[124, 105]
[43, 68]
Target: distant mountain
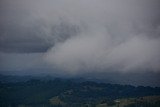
[68, 93]
[16, 78]
[13, 78]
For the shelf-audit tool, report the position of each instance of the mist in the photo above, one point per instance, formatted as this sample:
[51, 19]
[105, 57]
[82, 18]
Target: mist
[76, 38]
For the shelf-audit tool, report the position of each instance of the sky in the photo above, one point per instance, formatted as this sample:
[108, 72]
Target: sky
[110, 40]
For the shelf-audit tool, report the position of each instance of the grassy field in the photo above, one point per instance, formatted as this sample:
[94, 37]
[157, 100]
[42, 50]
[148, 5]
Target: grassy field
[147, 101]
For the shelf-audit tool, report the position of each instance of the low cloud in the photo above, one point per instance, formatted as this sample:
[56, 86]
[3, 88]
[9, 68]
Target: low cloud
[78, 37]
[98, 51]
[113, 37]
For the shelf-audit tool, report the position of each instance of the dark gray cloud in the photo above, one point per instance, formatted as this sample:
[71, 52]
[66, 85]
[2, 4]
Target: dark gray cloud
[22, 32]
[33, 38]
[81, 37]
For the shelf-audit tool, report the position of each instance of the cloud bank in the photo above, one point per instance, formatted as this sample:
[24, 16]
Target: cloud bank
[76, 37]
[114, 36]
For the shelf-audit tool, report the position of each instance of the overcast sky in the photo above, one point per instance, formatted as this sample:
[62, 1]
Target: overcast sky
[104, 39]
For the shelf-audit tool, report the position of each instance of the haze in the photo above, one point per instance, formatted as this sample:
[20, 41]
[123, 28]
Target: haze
[110, 40]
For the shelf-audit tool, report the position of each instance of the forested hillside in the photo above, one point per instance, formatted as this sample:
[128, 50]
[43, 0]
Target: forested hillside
[67, 93]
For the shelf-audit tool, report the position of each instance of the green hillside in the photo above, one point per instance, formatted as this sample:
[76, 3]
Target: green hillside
[68, 93]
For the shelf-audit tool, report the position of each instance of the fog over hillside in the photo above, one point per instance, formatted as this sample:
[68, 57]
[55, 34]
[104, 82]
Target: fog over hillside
[110, 40]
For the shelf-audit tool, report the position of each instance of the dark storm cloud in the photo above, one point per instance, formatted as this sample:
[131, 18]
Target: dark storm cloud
[16, 30]
[21, 32]
[79, 37]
